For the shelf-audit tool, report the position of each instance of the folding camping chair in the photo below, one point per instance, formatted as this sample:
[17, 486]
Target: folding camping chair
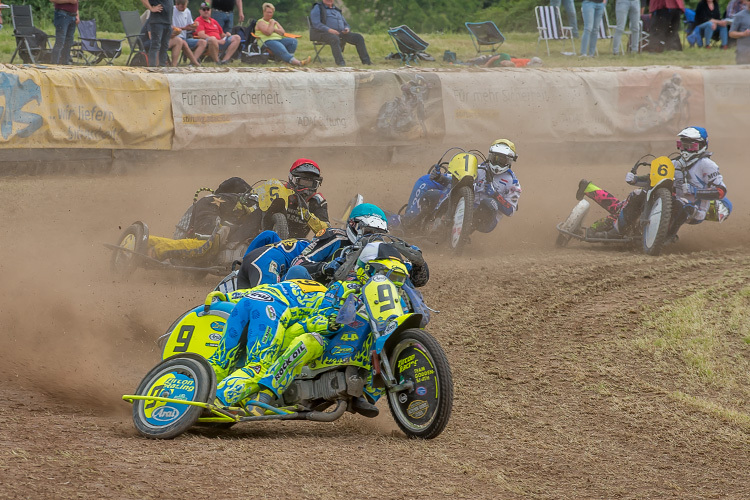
[485, 34]
[317, 44]
[550, 27]
[32, 44]
[93, 50]
[131, 23]
[408, 44]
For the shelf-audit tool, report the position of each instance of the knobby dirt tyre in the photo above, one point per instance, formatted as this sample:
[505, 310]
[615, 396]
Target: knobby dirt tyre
[280, 225]
[461, 218]
[124, 263]
[659, 209]
[424, 411]
[187, 377]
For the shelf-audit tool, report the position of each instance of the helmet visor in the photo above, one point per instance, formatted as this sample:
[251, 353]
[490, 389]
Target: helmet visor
[500, 159]
[687, 145]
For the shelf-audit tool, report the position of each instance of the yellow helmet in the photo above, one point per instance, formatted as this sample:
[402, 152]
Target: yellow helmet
[381, 258]
[507, 143]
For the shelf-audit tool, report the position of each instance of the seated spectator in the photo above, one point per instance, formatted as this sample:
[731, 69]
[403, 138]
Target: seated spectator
[219, 41]
[271, 35]
[175, 46]
[330, 27]
[707, 20]
[182, 19]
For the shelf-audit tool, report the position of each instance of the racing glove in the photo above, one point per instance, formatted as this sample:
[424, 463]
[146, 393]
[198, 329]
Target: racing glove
[330, 268]
[630, 178]
[504, 205]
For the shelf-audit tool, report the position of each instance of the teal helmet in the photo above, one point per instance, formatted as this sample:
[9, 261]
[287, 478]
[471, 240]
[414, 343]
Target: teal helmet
[366, 218]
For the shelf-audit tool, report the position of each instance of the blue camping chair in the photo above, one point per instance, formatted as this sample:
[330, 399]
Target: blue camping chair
[485, 34]
[408, 44]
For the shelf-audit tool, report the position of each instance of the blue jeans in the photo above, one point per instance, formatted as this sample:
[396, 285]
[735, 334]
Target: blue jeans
[160, 34]
[704, 32]
[283, 48]
[65, 30]
[592, 17]
[225, 19]
[627, 11]
[570, 11]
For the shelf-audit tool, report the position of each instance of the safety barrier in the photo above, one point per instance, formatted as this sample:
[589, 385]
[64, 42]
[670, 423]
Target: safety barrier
[132, 108]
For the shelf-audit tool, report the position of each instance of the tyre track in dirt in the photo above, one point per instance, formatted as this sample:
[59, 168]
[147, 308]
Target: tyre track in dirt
[551, 401]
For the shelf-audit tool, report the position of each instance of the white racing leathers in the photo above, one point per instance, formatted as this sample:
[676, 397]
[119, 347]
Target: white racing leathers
[495, 195]
[703, 184]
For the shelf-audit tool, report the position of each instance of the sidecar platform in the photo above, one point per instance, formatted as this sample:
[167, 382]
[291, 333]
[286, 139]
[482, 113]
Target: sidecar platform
[581, 236]
[150, 262]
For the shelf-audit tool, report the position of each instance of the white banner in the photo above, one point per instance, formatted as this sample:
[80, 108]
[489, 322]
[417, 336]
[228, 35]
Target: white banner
[262, 109]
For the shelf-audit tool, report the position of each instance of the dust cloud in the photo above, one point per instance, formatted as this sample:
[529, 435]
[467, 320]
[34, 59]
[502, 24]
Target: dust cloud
[75, 332]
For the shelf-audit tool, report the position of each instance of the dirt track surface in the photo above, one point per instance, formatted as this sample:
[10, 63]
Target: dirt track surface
[550, 401]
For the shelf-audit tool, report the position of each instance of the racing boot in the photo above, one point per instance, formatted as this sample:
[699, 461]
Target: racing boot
[365, 408]
[611, 234]
[264, 396]
[582, 185]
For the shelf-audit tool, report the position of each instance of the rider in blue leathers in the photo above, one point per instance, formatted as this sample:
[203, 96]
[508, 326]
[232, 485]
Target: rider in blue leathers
[269, 263]
[496, 190]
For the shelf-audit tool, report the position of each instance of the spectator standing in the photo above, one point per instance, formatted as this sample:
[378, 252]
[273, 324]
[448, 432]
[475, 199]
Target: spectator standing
[666, 22]
[741, 32]
[182, 19]
[65, 21]
[160, 29]
[209, 30]
[272, 36]
[627, 11]
[592, 11]
[223, 12]
[570, 11]
[330, 27]
[707, 20]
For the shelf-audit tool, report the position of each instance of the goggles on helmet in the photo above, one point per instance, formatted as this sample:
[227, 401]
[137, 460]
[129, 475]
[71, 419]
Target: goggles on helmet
[500, 159]
[306, 182]
[687, 145]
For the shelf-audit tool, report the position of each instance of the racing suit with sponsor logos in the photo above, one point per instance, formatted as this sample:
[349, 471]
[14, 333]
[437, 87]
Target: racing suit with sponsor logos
[495, 195]
[262, 324]
[269, 264]
[316, 205]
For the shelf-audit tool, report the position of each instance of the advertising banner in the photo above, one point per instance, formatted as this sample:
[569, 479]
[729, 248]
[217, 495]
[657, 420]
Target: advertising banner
[275, 108]
[110, 108]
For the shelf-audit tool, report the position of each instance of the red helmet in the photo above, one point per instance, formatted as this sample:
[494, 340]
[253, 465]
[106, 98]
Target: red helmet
[304, 176]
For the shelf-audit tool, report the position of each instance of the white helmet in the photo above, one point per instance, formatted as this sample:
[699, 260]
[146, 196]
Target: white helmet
[501, 156]
[692, 143]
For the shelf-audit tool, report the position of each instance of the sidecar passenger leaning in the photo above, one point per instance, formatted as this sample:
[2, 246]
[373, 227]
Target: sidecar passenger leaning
[697, 183]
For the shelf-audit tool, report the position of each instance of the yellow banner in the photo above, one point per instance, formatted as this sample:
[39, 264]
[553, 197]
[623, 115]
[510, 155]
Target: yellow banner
[64, 107]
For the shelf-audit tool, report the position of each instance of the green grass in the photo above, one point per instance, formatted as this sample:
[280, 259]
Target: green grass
[707, 332]
[523, 45]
